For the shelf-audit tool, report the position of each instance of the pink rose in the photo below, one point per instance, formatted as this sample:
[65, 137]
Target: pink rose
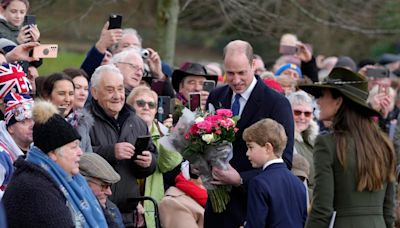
[224, 112]
[213, 119]
[206, 126]
[227, 123]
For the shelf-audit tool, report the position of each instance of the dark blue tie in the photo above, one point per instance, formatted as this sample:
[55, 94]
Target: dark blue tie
[236, 105]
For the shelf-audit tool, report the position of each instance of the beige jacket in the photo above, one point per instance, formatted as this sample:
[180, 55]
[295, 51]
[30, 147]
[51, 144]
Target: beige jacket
[178, 210]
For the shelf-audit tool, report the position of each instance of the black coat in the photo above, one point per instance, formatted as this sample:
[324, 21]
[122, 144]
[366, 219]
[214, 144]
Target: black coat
[263, 102]
[32, 199]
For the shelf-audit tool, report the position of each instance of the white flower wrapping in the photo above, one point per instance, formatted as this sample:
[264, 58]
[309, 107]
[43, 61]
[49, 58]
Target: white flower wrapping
[214, 155]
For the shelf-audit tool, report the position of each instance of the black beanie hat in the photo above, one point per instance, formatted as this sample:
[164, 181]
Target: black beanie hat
[51, 130]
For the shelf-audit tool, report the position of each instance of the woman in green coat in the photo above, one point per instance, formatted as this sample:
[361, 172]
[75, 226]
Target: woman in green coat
[144, 101]
[355, 162]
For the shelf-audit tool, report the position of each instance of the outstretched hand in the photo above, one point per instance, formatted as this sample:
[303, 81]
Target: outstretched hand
[21, 52]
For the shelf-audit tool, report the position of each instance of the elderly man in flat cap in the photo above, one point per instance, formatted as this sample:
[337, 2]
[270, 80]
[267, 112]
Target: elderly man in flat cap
[100, 176]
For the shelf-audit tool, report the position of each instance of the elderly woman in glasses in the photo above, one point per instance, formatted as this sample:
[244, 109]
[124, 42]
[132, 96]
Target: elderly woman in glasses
[306, 129]
[144, 101]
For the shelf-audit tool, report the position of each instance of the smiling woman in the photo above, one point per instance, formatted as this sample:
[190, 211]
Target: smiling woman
[306, 130]
[59, 89]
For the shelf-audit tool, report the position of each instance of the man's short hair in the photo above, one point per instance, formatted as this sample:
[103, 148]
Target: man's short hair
[272, 132]
[240, 46]
[101, 70]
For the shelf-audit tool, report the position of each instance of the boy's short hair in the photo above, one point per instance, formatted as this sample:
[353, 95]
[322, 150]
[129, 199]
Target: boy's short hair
[267, 130]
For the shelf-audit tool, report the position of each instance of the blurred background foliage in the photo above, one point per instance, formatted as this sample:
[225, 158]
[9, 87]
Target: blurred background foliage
[357, 28]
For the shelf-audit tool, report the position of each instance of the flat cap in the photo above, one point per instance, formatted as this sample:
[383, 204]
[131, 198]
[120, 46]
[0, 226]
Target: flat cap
[94, 166]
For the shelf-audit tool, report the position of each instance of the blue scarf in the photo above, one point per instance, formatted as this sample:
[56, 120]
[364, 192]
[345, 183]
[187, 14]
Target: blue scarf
[84, 207]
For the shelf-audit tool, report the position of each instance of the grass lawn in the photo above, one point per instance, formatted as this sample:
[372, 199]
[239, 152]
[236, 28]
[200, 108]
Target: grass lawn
[65, 59]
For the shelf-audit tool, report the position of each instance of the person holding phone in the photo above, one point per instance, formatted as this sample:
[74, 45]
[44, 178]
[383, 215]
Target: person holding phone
[144, 101]
[189, 79]
[116, 129]
[12, 27]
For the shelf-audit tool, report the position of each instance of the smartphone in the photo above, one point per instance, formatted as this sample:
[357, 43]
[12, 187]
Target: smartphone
[45, 51]
[114, 21]
[29, 20]
[194, 101]
[378, 73]
[208, 85]
[141, 144]
[287, 50]
[164, 108]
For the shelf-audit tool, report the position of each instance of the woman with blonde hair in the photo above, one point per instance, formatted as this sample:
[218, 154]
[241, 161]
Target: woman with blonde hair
[355, 162]
[144, 101]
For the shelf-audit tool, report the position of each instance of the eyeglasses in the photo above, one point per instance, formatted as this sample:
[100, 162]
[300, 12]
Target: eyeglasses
[298, 113]
[104, 186]
[142, 104]
[133, 67]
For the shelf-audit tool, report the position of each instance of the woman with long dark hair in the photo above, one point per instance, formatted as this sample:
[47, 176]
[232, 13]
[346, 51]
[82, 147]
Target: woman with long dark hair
[60, 89]
[354, 162]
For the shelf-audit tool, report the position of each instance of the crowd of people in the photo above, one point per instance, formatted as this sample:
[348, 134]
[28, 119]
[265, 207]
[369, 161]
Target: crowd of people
[317, 143]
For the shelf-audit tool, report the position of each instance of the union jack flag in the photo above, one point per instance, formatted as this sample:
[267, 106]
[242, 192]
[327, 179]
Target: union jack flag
[13, 79]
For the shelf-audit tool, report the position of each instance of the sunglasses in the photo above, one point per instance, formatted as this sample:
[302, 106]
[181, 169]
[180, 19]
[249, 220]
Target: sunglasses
[298, 113]
[142, 104]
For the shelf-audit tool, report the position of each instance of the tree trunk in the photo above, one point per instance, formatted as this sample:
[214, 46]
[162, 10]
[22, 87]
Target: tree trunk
[167, 23]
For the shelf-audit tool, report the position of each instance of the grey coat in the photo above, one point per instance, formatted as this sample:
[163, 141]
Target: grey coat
[85, 123]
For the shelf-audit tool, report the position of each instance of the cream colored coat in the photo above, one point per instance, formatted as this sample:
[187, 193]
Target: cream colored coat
[178, 210]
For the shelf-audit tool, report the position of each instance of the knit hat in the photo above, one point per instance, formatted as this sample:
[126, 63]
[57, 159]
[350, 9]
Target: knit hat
[93, 165]
[288, 66]
[51, 130]
[6, 45]
[13, 79]
[18, 107]
[300, 166]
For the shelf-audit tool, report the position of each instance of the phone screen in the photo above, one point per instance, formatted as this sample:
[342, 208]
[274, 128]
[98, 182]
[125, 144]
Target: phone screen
[164, 108]
[29, 20]
[287, 50]
[141, 144]
[378, 73]
[115, 21]
[194, 101]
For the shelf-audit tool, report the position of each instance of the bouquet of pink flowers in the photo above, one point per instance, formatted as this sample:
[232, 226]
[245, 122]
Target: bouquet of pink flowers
[205, 140]
[210, 144]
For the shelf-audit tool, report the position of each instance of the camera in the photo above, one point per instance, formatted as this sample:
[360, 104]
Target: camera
[144, 53]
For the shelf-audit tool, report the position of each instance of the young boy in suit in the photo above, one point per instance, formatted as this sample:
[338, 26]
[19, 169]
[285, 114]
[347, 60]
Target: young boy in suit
[276, 198]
